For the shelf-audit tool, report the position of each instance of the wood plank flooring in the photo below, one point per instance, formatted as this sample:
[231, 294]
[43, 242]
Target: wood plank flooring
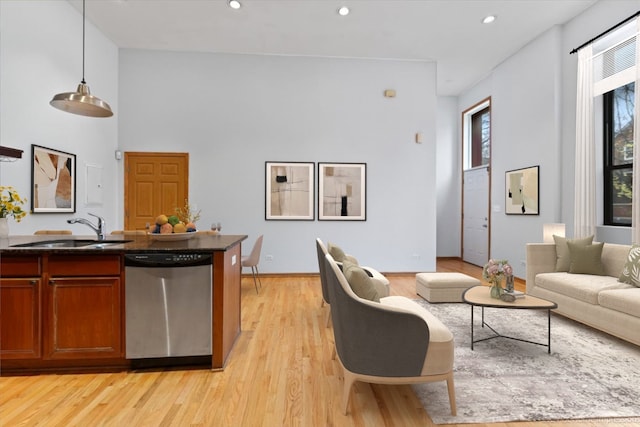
[280, 373]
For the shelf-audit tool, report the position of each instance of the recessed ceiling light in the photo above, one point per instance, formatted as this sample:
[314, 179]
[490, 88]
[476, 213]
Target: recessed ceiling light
[489, 19]
[343, 11]
[234, 4]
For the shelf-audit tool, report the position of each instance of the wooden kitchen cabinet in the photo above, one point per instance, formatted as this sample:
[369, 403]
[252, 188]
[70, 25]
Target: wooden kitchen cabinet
[20, 290]
[83, 316]
[63, 309]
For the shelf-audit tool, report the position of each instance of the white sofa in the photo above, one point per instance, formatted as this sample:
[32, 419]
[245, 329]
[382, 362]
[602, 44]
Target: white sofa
[601, 302]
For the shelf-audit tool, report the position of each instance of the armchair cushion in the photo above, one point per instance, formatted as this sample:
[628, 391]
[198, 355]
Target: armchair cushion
[336, 252]
[360, 282]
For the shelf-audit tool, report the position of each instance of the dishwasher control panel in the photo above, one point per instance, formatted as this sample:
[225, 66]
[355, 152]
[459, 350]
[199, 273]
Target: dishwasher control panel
[171, 259]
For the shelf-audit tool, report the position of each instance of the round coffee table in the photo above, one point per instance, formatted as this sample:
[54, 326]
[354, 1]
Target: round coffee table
[480, 296]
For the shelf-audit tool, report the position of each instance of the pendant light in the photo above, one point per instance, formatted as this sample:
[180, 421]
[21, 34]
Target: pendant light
[81, 101]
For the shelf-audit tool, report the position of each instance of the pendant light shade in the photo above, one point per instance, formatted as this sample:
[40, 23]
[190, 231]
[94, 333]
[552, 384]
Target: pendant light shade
[81, 101]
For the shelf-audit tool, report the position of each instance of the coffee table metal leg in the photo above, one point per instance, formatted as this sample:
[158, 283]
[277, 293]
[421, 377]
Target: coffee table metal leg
[471, 328]
[549, 331]
[498, 335]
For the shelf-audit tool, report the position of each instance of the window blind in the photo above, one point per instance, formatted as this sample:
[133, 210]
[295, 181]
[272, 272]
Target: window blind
[614, 59]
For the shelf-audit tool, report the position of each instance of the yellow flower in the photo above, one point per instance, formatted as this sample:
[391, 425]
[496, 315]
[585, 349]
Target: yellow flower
[10, 203]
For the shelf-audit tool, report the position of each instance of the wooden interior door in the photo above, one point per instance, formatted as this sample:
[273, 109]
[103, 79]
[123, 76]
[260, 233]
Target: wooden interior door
[154, 184]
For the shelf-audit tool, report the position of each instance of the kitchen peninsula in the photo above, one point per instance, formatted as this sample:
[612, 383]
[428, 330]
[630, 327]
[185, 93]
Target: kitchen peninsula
[62, 303]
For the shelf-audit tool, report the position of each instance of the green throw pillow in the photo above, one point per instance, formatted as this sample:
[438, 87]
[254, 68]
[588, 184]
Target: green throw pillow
[563, 260]
[631, 271]
[586, 259]
[360, 282]
[335, 251]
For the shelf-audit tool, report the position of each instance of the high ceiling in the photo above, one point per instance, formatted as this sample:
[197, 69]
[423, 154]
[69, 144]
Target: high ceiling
[449, 32]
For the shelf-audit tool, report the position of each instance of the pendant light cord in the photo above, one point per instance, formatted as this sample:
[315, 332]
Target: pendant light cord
[83, 24]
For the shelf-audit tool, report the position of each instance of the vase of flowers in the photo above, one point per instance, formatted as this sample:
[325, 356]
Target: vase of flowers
[494, 272]
[10, 206]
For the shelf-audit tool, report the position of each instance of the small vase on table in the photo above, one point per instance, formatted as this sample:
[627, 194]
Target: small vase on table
[496, 289]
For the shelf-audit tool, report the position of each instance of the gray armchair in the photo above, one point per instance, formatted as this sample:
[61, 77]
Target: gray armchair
[322, 253]
[395, 341]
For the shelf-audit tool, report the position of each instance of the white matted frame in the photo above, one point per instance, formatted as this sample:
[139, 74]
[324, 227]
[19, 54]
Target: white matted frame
[342, 191]
[522, 195]
[289, 191]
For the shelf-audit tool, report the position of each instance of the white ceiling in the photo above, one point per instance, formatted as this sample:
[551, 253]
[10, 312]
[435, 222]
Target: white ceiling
[449, 32]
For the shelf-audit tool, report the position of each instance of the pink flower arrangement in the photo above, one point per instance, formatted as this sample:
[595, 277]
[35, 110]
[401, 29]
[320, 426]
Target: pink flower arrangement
[495, 270]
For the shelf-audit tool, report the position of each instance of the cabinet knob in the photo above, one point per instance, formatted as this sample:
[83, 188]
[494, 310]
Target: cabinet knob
[52, 282]
[33, 282]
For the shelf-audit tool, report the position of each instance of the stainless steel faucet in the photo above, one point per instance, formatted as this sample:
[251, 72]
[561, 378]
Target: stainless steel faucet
[99, 229]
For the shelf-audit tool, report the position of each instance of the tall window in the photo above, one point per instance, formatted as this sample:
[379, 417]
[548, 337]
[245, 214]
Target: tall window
[619, 107]
[476, 136]
[480, 137]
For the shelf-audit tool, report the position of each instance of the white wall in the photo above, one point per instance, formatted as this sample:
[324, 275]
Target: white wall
[448, 178]
[234, 112]
[598, 18]
[533, 123]
[525, 124]
[41, 55]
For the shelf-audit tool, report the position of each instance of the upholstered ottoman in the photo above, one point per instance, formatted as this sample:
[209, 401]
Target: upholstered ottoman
[443, 287]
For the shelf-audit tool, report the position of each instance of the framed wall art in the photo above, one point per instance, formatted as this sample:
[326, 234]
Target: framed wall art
[522, 191]
[342, 191]
[53, 180]
[289, 191]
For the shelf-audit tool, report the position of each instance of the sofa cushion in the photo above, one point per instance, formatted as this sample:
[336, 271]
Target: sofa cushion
[361, 284]
[336, 252]
[583, 287]
[586, 259]
[563, 260]
[631, 270]
[625, 300]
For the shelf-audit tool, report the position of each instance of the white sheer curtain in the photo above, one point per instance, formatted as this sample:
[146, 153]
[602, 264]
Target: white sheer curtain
[635, 203]
[585, 166]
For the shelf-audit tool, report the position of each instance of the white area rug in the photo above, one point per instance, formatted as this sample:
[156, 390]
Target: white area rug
[588, 374]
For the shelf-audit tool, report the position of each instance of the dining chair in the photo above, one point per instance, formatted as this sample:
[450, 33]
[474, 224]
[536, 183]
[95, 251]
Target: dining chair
[252, 261]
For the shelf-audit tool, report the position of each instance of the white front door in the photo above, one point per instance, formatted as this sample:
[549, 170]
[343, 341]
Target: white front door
[475, 220]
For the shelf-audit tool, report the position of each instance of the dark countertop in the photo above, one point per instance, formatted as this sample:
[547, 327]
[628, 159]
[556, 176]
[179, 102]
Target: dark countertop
[199, 242]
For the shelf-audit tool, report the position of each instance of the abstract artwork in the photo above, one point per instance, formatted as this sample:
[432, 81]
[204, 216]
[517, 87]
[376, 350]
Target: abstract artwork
[342, 191]
[522, 196]
[289, 191]
[53, 180]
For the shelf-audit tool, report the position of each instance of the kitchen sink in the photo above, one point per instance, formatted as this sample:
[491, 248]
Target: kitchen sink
[70, 243]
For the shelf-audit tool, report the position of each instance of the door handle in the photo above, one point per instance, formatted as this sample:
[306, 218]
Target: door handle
[484, 225]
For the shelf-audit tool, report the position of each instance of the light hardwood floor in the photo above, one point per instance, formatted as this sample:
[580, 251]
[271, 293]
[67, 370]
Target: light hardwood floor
[280, 373]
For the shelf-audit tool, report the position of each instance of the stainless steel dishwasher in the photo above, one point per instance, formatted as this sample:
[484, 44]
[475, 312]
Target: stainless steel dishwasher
[168, 304]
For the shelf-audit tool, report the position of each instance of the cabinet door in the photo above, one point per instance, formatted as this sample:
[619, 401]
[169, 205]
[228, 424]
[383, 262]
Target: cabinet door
[20, 318]
[83, 318]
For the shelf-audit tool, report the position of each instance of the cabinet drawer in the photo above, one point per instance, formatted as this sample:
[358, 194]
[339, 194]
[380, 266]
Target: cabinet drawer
[84, 265]
[19, 266]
